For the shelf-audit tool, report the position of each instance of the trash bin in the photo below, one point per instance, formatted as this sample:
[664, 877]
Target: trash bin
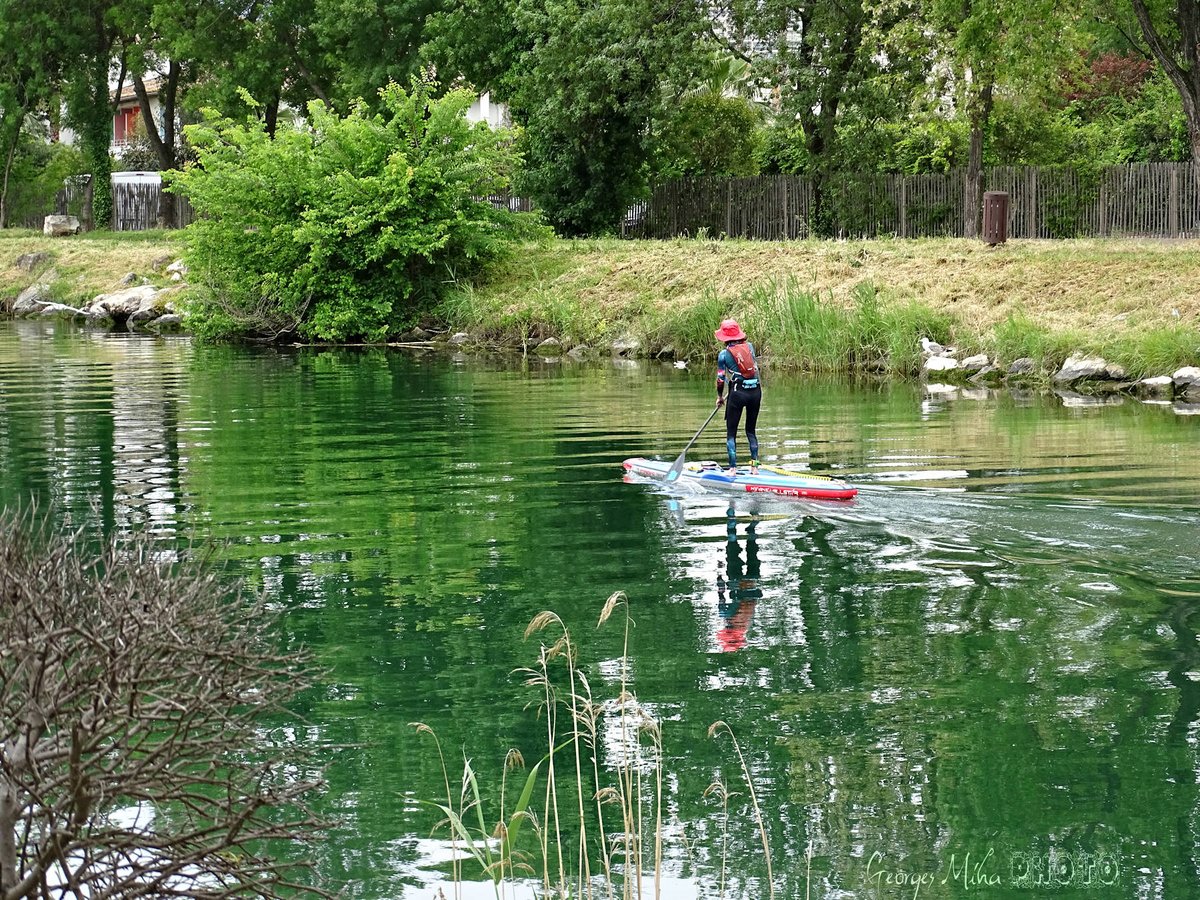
[995, 217]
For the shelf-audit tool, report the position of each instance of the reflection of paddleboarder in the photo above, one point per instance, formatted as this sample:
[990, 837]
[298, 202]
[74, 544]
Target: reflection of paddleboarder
[737, 588]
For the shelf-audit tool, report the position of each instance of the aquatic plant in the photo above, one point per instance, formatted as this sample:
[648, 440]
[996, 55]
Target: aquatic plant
[612, 814]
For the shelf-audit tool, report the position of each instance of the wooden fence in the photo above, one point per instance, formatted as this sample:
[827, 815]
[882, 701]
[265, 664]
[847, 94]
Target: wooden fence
[1146, 200]
[135, 205]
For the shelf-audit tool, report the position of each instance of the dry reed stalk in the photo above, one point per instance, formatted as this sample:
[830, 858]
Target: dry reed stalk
[718, 788]
[422, 728]
[714, 730]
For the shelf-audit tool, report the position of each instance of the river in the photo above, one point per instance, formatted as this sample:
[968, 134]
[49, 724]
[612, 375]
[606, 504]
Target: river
[979, 678]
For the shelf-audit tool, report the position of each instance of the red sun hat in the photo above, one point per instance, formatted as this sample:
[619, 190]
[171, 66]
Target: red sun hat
[730, 330]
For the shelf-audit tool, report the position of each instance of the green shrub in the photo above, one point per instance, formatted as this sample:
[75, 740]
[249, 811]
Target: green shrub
[346, 227]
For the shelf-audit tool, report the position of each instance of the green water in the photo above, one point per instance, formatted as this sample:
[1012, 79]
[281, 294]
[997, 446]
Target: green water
[981, 673]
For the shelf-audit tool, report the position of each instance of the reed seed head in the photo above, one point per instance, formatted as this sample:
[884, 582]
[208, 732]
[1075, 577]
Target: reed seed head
[610, 604]
[540, 621]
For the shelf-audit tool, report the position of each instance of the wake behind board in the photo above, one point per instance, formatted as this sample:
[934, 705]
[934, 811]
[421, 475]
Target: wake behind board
[768, 479]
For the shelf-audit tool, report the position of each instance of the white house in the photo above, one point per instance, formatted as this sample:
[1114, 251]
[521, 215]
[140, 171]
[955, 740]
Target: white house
[485, 110]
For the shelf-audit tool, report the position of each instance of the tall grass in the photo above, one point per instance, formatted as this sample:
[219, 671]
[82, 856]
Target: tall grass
[611, 815]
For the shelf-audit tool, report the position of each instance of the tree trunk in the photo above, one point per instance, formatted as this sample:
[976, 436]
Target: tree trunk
[8, 164]
[1181, 63]
[271, 115]
[973, 188]
[164, 145]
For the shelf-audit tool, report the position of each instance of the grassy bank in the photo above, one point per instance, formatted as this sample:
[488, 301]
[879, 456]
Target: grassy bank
[816, 306]
[829, 306]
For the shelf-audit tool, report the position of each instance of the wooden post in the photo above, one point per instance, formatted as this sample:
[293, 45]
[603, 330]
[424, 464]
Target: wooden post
[903, 206]
[1173, 201]
[1031, 204]
[729, 208]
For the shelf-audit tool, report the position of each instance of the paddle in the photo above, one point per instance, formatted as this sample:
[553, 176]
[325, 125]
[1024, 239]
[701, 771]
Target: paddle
[677, 466]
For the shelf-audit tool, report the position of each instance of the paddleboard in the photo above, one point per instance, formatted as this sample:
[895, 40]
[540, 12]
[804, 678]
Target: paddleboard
[768, 479]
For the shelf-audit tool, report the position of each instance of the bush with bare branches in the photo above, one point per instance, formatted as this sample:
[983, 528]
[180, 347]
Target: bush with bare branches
[136, 758]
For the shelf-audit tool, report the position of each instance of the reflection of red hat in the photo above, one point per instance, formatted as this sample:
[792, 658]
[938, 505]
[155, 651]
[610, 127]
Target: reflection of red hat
[730, 330]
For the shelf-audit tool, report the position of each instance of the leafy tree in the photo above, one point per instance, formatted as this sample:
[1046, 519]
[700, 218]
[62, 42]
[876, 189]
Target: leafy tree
[347, 227]
[992, 50]
[32, 56]
[587, 80]
[710, 134]
[132, 703]
[1171, 29]
[92, 36]
[716, 129]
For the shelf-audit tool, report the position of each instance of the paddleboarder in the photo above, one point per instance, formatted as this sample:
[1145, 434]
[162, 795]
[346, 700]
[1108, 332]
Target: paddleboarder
[738, 366]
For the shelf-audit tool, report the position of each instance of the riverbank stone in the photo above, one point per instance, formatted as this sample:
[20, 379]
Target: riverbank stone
[1186, 382]
[27, 262]
[987, 375]
[628, 346]
[31, 300]
[1019, 368]
[550, 348]
[939, 364]
[167, 322]
[1160, 386]
[1078, 367]
[580, 352]
[976, 363]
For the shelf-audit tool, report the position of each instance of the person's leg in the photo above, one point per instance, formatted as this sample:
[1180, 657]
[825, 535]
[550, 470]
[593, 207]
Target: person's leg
[752, 406]
[733, 417]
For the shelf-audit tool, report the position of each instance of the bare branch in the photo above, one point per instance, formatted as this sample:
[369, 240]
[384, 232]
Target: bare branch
[133, 760]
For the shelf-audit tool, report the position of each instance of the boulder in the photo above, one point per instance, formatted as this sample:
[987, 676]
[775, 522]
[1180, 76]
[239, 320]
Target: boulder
[550, 348]
[628, 345]
[1087, 368]
[1021, 367]
[940, 364]
[32, 299]
[60, 311]
[1187, 382]
[1161, 386]
[973, 364]
[121, 305]
[168, 322]
[27, 262]
[417, 335]
[57, 226]
[140, 318]
[580, 352]
[179, 267]
[987, 375]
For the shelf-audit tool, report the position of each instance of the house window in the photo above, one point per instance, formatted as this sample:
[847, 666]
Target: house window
[125, 124]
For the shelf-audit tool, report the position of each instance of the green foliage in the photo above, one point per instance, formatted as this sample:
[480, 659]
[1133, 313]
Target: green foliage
[710, 134]
[347, 228]
[39, 170]
[587, 82]
[1020, 336]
